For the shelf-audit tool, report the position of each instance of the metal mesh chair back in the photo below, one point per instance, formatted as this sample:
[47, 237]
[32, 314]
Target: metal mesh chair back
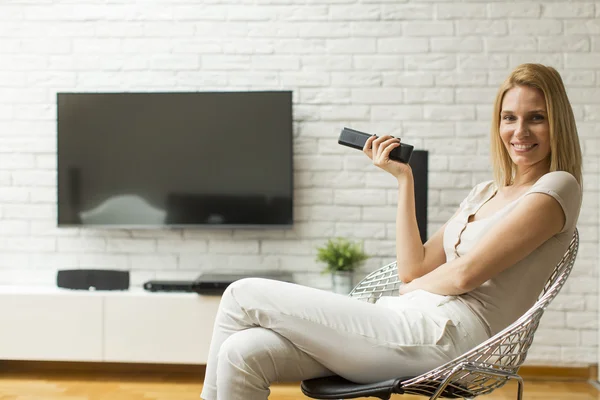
[487, 366]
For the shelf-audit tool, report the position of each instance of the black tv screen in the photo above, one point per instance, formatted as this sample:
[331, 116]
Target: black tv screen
[175, 159]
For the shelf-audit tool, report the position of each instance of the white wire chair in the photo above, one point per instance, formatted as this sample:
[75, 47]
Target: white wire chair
[480, 371]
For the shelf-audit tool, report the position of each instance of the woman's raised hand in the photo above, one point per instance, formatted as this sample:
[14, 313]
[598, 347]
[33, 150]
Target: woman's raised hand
[378, 149]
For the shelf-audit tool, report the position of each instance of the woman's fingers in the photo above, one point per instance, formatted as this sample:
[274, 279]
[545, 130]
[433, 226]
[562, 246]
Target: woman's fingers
[381, 139]
[368, 147]
[378, 141]
[388, 146]
[385, 147]
[376, 147]
[379, 148]
[369, 142]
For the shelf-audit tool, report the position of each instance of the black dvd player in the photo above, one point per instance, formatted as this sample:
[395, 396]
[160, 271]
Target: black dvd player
[169, 286]
[211, 283]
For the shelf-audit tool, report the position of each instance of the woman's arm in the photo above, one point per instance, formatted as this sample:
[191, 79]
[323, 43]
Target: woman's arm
[536, 219]
[413, 258]
[410, 251]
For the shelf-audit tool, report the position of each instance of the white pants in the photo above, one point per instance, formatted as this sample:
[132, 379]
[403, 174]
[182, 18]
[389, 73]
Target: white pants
[270, 331]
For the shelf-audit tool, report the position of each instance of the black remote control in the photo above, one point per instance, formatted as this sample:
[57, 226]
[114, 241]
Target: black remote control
[356, 140]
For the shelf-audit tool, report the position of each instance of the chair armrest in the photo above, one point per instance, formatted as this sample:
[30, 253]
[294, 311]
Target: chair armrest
[381, 282]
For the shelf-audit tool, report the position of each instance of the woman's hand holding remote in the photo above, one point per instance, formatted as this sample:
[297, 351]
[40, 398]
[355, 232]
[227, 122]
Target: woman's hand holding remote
[378, 149]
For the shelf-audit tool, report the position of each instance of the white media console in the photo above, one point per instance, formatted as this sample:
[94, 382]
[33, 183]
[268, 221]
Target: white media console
[133, 326]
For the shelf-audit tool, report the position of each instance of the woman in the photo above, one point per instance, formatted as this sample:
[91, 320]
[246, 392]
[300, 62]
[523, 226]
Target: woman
[476, 275]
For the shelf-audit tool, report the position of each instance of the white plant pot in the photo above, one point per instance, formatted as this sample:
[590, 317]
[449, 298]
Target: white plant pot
[342, 282]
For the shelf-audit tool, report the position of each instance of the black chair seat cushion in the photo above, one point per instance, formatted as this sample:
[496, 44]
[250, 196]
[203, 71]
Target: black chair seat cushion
[336, 387]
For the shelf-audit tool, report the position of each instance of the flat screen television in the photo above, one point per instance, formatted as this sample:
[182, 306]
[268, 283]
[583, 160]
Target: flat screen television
[219, 159]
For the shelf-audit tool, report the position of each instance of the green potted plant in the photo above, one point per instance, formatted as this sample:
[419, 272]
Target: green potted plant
[342, 258]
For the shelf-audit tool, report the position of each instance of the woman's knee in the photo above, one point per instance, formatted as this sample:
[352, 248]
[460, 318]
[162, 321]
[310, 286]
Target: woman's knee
[244, 352]
[256, 301]
[231, 351]
[242, 286]
[239, 299]
[247, 291]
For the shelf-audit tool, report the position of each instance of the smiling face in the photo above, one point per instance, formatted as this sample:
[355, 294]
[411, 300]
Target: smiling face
[524, 127]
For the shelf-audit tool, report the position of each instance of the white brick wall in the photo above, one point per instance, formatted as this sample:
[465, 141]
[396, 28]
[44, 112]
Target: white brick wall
[425, 71]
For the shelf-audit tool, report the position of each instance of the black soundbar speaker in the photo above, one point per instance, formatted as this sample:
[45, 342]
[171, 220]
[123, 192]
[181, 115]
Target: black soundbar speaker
[419, 162]
[93, 279]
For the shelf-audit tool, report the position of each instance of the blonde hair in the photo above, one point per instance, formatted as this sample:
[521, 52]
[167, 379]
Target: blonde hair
[565, 151]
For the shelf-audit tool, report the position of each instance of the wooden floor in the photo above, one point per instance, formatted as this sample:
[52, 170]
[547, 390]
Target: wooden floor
[49, 386]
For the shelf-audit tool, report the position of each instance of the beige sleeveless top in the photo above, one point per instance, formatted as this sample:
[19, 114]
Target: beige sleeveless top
[501, 300]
